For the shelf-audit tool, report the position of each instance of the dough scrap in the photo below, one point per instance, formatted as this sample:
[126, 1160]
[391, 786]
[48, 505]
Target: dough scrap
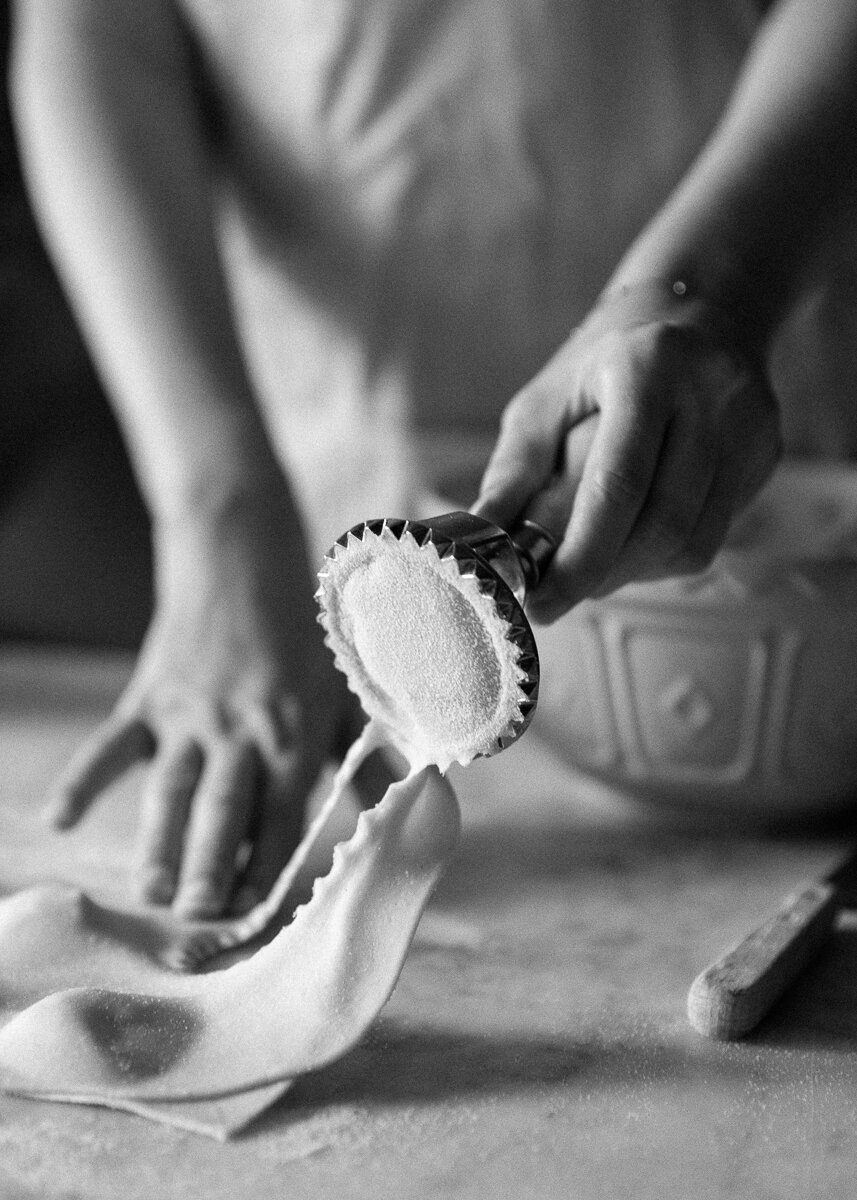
[132, 1034]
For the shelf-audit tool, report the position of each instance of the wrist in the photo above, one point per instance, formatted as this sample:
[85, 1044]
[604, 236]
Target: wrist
[252, 518]
[723, 316]
[713, 272]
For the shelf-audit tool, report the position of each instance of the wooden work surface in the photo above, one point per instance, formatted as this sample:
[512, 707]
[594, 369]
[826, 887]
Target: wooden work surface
[536, 1045]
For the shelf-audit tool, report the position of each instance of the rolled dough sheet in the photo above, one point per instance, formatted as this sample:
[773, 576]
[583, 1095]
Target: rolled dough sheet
[220, 1118]
[54, 936]
[98, 1021]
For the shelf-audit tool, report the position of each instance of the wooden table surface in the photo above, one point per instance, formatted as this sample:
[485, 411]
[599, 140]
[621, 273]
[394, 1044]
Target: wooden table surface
[537, 1044]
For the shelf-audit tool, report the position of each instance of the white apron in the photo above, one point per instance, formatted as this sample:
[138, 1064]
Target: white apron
[426, 197]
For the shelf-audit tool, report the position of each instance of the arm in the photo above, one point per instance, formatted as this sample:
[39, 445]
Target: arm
[233, 671]
[118, 170]
[777, 179]
[687, 428]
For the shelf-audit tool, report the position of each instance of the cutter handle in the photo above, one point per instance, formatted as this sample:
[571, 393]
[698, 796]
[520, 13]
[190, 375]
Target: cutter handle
[732, 996]
[535, 547]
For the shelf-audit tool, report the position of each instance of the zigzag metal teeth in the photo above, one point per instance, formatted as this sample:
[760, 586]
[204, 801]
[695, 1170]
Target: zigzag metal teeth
[452, 558]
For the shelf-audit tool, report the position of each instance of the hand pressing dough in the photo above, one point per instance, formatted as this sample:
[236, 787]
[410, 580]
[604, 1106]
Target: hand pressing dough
[135, 1033]
[435, 667]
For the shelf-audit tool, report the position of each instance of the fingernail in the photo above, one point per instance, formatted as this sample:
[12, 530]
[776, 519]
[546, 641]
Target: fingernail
[157, 885]
[199, 900]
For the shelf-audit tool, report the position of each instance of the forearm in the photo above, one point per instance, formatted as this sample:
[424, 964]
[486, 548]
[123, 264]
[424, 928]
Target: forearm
[777, 179]
[119, 172]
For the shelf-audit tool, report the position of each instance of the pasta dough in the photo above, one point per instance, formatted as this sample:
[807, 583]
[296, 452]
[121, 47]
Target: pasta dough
[132, 1032]
[423, 646]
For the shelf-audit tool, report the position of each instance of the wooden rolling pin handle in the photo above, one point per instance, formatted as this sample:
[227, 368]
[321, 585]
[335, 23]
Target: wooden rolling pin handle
[731, 996]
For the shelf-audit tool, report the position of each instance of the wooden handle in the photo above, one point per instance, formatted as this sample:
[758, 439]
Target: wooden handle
[731, 996]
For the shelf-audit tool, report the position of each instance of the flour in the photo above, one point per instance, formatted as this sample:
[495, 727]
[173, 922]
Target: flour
[103, 1021]
[297, 1003]
[422, 646]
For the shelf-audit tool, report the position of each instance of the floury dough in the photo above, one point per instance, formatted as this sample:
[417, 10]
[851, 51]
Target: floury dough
[424, 649]
[101, 1018]
[106, 1023]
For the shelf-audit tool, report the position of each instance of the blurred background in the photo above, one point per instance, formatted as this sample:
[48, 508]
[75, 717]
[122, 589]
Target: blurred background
[74, 537]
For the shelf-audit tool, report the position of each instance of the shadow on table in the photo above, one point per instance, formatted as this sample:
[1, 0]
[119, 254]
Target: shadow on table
[819, 1012]
[432, 1066]
[497, 862]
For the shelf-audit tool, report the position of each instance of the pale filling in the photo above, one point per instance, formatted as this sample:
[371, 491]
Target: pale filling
[425, 653]
[424, 649]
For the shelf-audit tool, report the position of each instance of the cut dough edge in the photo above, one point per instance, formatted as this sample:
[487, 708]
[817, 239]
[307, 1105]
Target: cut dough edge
[298, 1003]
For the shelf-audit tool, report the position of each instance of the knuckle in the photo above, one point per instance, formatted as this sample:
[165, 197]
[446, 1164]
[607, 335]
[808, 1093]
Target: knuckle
[610, 375]
[516, 415]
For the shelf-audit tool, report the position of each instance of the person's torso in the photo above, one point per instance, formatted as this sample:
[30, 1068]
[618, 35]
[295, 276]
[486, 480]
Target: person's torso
[426, 196]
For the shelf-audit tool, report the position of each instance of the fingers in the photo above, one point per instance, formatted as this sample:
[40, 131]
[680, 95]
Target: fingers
[116, 746]
[221, 814]
[553, 505]
[766, 447]
[667, 536]
[524, 457]
[278, 821]
[614, 486]
[279, 831]
[164, 811]
[207, 795]
[737, 479]
[666, 435]
[199, 808]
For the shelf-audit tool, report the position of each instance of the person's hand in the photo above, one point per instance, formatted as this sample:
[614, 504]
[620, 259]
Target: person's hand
[237, 704]
[635, 447]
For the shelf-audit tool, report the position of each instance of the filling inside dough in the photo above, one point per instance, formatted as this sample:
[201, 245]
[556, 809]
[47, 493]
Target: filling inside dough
[422, 646]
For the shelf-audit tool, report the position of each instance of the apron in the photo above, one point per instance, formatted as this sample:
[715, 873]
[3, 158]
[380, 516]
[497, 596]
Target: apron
[422, 197]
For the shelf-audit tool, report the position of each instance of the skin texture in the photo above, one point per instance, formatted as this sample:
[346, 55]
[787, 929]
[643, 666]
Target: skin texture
[687, 427]
[218, 702]
[663, 429]
[232, 700]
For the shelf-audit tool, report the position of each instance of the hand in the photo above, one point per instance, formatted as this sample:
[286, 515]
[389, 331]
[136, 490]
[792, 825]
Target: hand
[635, 446]
[236, 702]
